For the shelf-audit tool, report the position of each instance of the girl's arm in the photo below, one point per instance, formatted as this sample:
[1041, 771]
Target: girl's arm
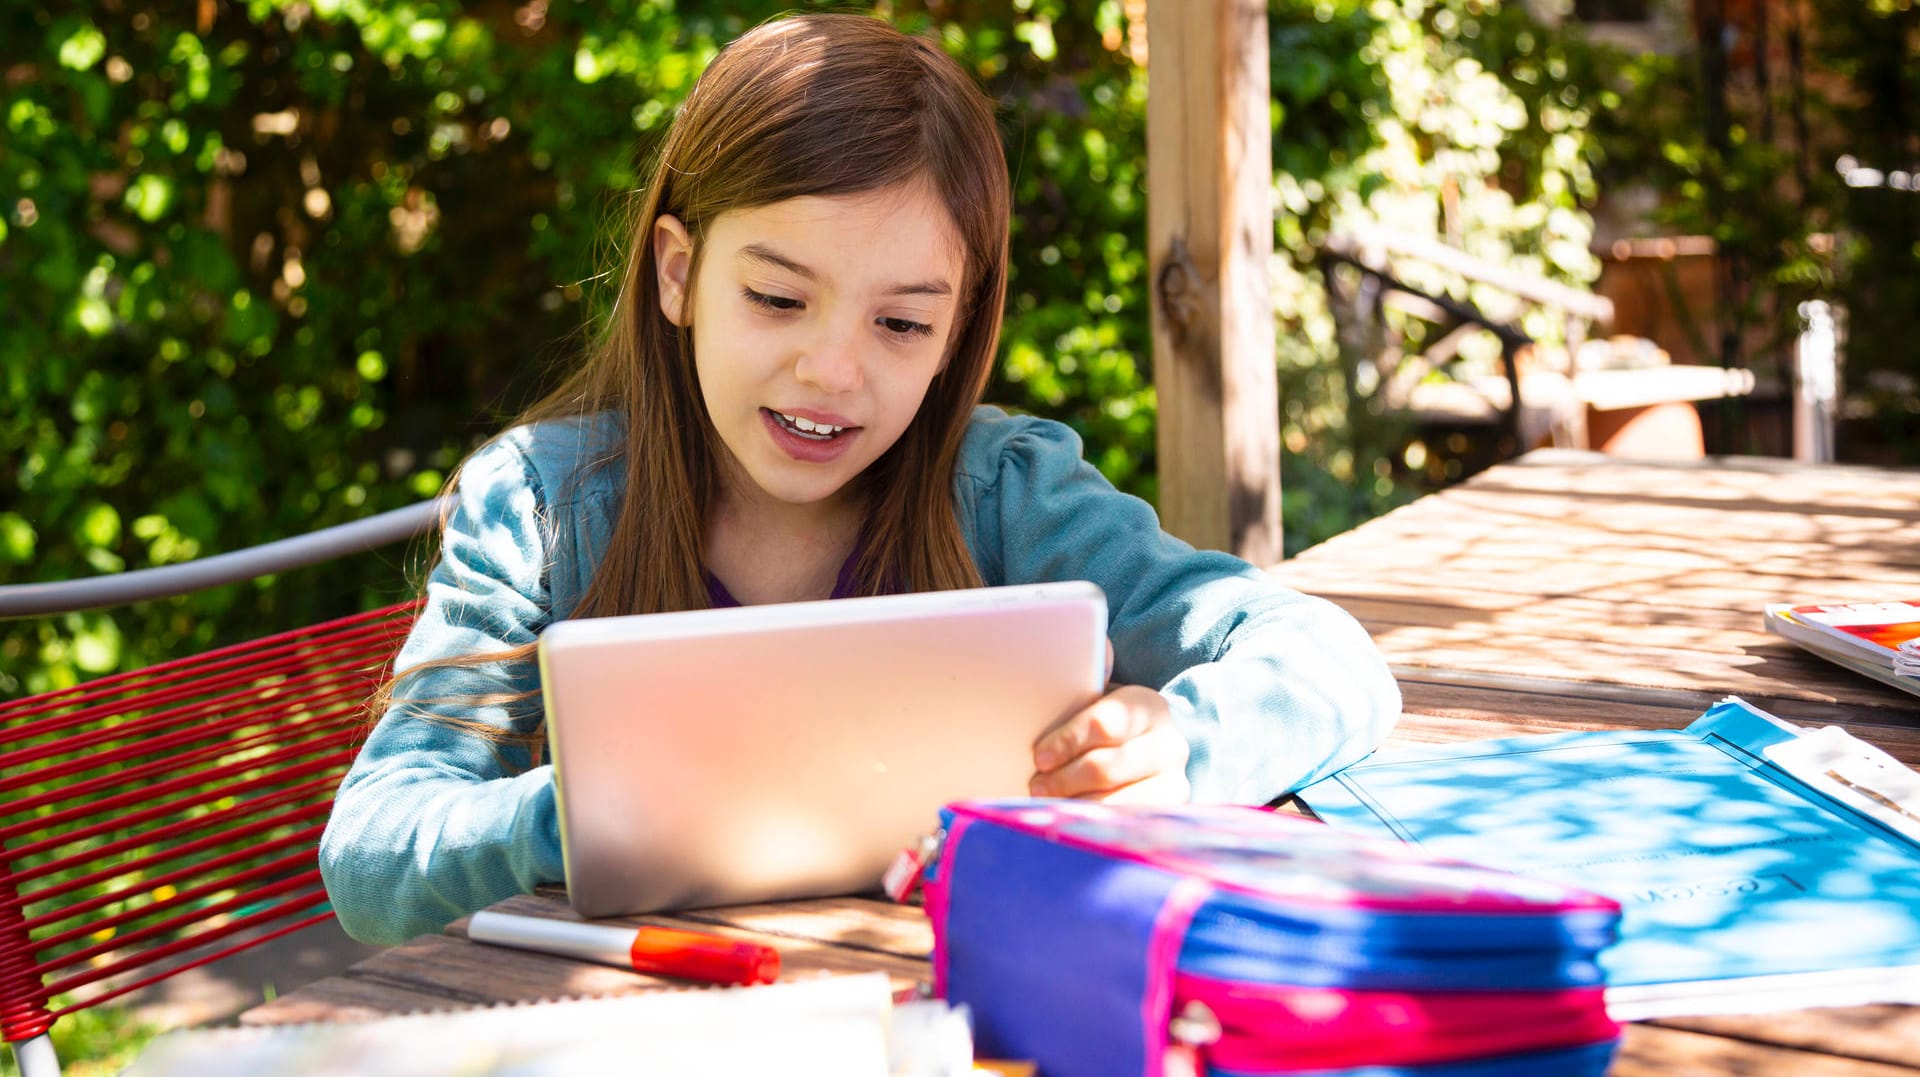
[1272, 688]
[435, 821]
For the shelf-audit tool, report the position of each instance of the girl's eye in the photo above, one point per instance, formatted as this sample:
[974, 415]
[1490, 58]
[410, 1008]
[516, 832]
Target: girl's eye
[770, 302]
[904, 328]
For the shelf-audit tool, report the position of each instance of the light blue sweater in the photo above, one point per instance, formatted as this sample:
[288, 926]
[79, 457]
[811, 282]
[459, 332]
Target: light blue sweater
[1273, 689]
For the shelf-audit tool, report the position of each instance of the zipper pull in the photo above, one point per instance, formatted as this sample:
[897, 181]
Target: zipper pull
[1191, 1031]
[909, 868]
[1194, 1026]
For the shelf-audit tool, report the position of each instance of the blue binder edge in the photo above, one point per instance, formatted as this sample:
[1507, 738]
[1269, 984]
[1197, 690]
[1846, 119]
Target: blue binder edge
[1732, 726]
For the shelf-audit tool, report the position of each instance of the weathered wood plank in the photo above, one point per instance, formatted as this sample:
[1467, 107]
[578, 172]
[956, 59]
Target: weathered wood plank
[1562, 568]
[1209, 238]
[1889, 1034]
[347, 998]
[1579, 568]
[1767, 666]
[1836, 485]
[1505, 693]
[432, 972]
[470, 975]
[1439, 527]
[1440, 713]
[1578, 661]
[444, 972]
[1656, 1051]
[1722, 632]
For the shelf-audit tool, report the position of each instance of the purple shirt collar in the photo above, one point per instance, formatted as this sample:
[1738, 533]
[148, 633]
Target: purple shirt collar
[843, 585]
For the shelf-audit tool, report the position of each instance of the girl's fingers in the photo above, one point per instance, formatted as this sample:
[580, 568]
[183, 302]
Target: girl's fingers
[1166, 788]
[1114, 719]
[1158, 753]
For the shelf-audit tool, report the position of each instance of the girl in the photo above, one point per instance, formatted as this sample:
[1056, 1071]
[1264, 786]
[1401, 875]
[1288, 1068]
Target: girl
[785, 407]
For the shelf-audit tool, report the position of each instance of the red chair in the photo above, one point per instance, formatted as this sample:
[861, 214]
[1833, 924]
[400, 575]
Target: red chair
[155, 821]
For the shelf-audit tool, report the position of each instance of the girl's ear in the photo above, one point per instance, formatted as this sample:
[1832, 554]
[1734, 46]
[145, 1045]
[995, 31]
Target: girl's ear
[672, 262]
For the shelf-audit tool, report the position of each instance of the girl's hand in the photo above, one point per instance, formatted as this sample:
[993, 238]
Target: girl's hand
[1124, 748]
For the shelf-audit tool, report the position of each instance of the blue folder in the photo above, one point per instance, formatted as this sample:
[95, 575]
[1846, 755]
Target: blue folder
[1726, 864]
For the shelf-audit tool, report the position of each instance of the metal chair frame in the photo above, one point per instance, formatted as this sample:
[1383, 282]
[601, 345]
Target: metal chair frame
[1368, 298]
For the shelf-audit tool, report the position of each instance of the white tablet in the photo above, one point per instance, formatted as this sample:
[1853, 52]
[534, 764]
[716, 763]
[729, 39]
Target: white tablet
[761, 753]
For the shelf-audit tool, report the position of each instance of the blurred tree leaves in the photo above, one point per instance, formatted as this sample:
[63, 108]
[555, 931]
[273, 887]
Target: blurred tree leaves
[276, 264]
[1777, 187]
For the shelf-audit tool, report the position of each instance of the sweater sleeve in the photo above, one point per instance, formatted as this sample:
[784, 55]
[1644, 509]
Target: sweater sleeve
[1272, 688]
[436, 820]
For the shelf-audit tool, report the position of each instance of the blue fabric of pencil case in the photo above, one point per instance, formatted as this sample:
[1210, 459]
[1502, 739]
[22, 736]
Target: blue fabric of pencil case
[1098, 940]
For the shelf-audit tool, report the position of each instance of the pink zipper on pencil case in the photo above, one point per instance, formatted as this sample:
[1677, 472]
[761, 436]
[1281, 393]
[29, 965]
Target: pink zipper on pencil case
[1389, 877]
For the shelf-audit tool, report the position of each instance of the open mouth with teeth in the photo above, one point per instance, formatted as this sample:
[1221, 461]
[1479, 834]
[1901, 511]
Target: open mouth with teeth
[807, 428]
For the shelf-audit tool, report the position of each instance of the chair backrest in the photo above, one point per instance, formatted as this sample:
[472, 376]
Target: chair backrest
[1583, 309]
[158, 820]
[1383, 375]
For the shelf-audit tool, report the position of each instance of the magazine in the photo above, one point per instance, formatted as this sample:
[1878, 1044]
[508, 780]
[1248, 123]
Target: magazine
[1878, 639]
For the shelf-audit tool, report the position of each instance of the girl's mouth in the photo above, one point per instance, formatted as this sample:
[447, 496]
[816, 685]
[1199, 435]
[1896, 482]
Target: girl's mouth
[809, 441]
[807, 428]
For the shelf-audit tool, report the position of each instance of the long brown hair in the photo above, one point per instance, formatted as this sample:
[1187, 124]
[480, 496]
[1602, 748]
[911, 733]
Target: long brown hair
[807, 105]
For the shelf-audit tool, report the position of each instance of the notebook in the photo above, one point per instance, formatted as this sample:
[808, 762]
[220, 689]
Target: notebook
[761, 753]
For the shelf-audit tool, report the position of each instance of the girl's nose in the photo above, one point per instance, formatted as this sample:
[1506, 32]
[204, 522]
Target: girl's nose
[831, 363]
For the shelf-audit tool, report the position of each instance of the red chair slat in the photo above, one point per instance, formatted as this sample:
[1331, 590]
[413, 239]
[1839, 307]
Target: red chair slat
[125, 726]
[208, 958]
[198, 666]
[171, 832]
[306, 899]
[301, 839]
[306, 882]
[73, 884]
[332, 764]
[171, 760]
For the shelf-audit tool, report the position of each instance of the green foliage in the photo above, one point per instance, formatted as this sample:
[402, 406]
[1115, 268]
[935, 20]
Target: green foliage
[1657, 134]
[1461, 120]
[1762, 170]
[274, 265]
[282, 270]
[1076, 341]
[1876, 45]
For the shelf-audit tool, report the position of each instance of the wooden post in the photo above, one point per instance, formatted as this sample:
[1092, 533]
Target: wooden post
[1209, 238]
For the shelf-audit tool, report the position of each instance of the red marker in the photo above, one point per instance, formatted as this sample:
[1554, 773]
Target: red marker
[657, 951]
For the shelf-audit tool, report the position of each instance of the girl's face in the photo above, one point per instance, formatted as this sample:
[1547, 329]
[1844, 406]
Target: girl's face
[818, 324]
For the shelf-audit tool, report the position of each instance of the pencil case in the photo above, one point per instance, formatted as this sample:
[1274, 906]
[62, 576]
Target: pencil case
[1096, 940]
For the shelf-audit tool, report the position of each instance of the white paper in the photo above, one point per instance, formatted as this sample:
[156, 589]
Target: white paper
[829, 1026]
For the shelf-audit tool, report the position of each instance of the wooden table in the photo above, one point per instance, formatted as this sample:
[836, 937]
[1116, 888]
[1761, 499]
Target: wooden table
[1563, 591]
